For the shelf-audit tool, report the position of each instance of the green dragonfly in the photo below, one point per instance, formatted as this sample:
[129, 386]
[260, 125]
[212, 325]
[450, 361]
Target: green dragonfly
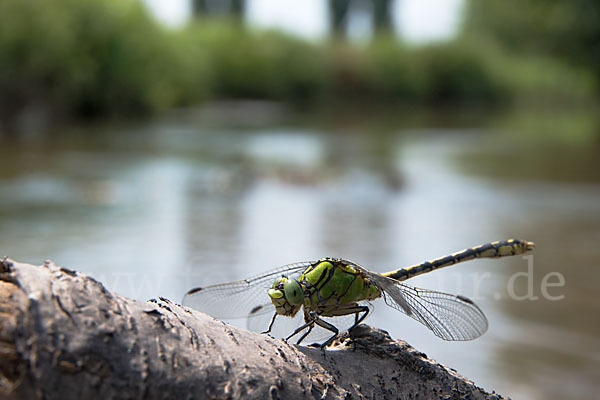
[334, 290]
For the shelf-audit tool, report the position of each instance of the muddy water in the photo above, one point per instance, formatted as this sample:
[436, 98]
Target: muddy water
[156, 208]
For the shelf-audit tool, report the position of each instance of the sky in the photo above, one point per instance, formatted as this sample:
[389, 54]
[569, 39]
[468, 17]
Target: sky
[419, 20]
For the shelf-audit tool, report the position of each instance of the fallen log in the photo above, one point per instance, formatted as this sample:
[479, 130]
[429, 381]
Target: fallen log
[64, 336]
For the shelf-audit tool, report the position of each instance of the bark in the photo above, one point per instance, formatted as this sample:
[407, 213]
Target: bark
[64, 336]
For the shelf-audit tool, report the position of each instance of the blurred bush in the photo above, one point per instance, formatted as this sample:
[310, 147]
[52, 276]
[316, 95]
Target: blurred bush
[258, 64]
[457, 72]
[92, 58]
[557, 43]
[462, 72]
[102, 57]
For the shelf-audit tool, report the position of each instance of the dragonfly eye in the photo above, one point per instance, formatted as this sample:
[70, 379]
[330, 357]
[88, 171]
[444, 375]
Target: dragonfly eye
[293, 291]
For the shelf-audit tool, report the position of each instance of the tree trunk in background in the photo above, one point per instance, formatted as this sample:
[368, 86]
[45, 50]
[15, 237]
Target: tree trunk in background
[236, 8]
[64, 336]
[338, 16]
[382, 17]
[199, 7]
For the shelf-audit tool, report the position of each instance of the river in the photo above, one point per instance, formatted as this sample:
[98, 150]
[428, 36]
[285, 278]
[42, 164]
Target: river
[154, 208]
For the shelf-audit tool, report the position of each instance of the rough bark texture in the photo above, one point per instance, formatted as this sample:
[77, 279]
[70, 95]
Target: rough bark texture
[64, 336]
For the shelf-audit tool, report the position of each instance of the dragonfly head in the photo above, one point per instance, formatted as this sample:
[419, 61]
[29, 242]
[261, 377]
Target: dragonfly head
[287, 296]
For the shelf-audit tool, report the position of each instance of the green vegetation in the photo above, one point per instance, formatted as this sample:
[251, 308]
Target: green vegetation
[257, 64]
[565, 29]
[104, 57]
[91, 57]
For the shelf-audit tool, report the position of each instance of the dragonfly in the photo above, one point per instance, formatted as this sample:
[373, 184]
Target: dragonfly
[318, 294]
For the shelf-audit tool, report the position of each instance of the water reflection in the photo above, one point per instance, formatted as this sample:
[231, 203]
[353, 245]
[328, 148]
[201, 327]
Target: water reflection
[212, 217]
[158, 208]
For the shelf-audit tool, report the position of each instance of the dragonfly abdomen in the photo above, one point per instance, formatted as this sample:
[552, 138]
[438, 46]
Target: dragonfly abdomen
[502, 248]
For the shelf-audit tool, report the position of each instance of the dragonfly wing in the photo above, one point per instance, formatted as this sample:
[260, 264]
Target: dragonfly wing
[240, 299]
[259, 321]
[449, 317]
[388, 285]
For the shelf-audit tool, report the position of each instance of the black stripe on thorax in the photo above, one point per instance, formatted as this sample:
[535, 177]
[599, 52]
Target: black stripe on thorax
[349, 285]
[335, 265]
[326, 274]
[309, 285]
[329, 276]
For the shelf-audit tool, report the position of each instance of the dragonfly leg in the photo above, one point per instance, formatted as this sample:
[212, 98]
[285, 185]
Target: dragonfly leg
[357, 310]
[365, 310]
[309, 324]
[329, 327]
[305, 334]
[270, 324]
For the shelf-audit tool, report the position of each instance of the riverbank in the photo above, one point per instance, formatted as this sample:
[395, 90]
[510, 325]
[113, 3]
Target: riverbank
[105, 58]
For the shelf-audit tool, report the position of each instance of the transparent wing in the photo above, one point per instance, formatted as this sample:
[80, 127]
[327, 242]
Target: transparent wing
[240, 299]
[386, 284]
[449, 317]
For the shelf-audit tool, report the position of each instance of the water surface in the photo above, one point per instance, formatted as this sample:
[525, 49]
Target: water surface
[153, 209]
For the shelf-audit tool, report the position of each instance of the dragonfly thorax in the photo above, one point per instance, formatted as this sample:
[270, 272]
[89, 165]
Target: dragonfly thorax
[287, 296]
[332, 283]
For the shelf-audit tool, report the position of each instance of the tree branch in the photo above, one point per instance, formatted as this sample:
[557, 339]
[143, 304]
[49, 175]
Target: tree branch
[63, 335]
